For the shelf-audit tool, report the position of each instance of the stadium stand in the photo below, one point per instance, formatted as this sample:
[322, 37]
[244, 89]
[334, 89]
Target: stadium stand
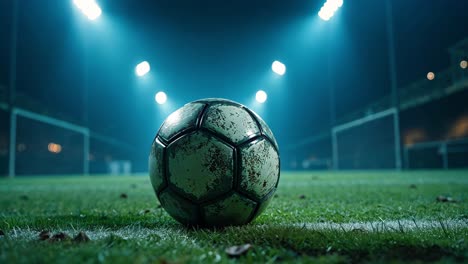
[350, 139]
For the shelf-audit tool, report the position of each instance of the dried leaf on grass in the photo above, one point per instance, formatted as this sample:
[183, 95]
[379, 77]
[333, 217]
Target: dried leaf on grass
[44, 235]
[445, 199]
[143, 212]
[81, 237]
[358, 230]
[237, 251]
[59, 237]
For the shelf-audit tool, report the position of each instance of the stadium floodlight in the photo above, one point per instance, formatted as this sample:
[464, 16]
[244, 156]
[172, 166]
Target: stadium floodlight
[142, 68]
[278, 68]
[430, 76]
[329, 8]
[463, 64]
[89, 8]
[160, 98]
[261, 96]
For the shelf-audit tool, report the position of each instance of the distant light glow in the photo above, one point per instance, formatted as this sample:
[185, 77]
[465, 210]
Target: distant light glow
[54, 148]
[89, 8]
[160, 98]
[459, 128]
[278, 68]
[142, 68]
[329, 8]
[430, 76]
[463, 64]
[414, 136]
[261, 96]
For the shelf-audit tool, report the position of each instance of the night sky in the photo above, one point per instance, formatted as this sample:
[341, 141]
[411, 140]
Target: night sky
[223, 49]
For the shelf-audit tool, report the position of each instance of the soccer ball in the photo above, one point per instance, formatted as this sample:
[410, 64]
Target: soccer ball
[214, 162]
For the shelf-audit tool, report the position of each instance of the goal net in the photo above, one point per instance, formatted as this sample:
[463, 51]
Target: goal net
[313, 153]
[371, 142]
[32, 144]
[44, 145]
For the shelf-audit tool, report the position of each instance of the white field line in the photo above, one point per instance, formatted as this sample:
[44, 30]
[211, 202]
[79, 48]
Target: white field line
[126, 233]
[289, 182]
[138, 233]
[388, 225]
[69, 187]
[395, 182]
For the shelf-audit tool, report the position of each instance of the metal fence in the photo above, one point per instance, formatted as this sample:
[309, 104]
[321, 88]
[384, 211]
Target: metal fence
[446, 154]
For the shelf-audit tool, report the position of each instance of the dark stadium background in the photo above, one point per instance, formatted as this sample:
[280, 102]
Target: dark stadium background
[224, 49]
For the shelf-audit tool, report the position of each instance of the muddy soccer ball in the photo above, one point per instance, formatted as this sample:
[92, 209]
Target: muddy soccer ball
[214, 162]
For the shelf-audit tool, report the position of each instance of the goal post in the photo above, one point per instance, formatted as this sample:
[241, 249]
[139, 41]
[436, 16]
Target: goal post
[40, 119]
[373, 138]
[32, 143]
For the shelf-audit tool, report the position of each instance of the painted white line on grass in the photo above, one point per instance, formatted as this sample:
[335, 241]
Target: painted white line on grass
[387, 225]
[379, 182]
[70, 187]
[284, 182]
[181, 236]
[125, 233]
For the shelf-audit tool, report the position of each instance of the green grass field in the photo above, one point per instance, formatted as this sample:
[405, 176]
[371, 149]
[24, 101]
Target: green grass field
[315, 217]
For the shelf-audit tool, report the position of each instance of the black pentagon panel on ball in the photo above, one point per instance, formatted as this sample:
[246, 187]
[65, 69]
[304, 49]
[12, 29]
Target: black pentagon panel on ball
[240, 210]
[230, 121]
[259, 168]
[156, 166]
[200, 166]
[183, 119]
[179, 208]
